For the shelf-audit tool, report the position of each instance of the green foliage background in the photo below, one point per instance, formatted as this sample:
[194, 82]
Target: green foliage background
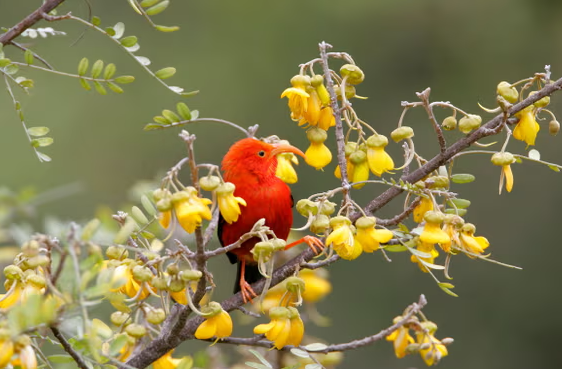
[241, 55]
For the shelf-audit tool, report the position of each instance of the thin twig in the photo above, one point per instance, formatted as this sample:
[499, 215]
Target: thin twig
[400, 217]
[35, 55]
[69, 349]
[424, 97]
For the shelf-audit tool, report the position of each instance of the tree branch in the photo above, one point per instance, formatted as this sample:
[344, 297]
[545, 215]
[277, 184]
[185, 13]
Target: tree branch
[29, 21]
[66, 346]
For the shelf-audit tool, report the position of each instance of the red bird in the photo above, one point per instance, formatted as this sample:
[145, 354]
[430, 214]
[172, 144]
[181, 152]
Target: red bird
[250, 165]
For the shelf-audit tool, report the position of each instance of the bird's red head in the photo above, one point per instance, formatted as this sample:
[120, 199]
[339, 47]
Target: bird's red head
[252, 158]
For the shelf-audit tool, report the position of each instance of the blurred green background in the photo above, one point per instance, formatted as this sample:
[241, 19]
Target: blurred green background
[241, 55]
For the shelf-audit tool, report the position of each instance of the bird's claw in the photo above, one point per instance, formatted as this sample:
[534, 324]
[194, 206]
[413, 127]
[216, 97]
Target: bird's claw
[248, 294]
[315, 244]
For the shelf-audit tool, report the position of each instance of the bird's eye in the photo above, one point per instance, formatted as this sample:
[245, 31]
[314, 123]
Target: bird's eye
[261, 153]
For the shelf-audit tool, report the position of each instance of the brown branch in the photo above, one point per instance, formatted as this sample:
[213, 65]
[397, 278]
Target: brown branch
[35, 55]
[424, 97]
[29, 21]
[400, 217]
[66, 346]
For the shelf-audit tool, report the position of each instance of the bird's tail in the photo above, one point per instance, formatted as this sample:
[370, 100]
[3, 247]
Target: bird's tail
[252, 274]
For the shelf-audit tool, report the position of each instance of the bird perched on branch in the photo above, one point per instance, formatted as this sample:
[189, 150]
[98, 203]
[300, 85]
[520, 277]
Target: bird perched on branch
[250, 165]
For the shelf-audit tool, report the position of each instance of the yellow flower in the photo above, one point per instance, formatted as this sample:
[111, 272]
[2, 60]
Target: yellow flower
[297, 95]
[318, 155]
[217, 324]
[342, 239]
[166, 361]
[312, 113]
[285, 170]
[190, 209]
[369, 237]
[131, 287]
[432, 232]
[285, 328]
[127, 349]
[470, 243]
[436, 350]
[6, 348]
[427, 248]
[13, 295]
[350, 169]
[316, 283]
[504, 159]
[425, 205]
[273, 298]
[360, 171]
[326, 119]
[401, 339]
[27, 358]
[527, 127]
[451, 227]
[165, 218]
[229, 205]
[378, 159]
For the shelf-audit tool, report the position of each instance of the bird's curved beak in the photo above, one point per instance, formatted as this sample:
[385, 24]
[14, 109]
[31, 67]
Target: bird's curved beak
[281, 148]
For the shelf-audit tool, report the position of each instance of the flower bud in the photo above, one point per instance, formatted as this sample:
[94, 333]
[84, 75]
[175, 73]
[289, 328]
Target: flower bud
[21, 341]
[507, 91]
[13, 272]
[402, 133]
[327, 207]
[468, 228]
[317, 80]
[502, 158]
[350, 91]
[172, 269]
[437, 182]
[300, 81]
[279, 312]
[142, 274]
[118, 318]
[209, 183]
[358, 157]
[447, 341]
[226, 188]
[295, 284]
[339, 220]
[191, 275]
[135, 330]
[263, 251]
[353, 73]
[160, 283]
[164, 204]
[469, 123]
[320, 224]
[305, 206]
[176, 285]
[350, 148]
[211, 309]
[36, 280]
[316, 135]
[430, 326]
[553, 127]
[278, 244]
[377, 141]
[37, 261]
[30, 248]
[449, 123]
[434, 217]
[453, 219]
[542, 102]
[365, 222]
[116, 253]
[156, 316]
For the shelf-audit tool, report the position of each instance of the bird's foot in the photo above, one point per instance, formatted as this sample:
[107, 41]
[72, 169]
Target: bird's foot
[248, 293]
[315, 244]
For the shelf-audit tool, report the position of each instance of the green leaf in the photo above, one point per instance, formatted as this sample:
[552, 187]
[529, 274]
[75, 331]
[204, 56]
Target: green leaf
[110, 31]
[554, 168]
[165, 72]
[518, 160]
[4, 62]
[194, 114]
[166, 28]
[60, 359]
[459, 212]
[109, 71]
[260, 358]
[85, 84]
[96, 21]
[316, 347]
[171, 116]
[38, 131]
[161, 120]
[459, 203]
[115, 88]
[147, 205]
[138, 215]
[152, 126]
[28, 55]
[125, 231]
[124, 79]
[129, 41]
[135, 6]
[446, 287]
[83, 66]
[300, 353]
[143, 60]
[43, 157]
[97, 68]
[183, 111]
[190, 93]
[42, 142]
[11, 69]
[99, 88]
[185, 363]
[147, 3]
[462, 178]
[117, 344]
[313, 366]
[27, 83]
[251, 364]
[158, 8]
[119, 30]
[395, 248]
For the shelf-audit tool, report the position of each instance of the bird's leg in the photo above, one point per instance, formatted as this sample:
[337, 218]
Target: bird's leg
[247, 292]
[314, 243]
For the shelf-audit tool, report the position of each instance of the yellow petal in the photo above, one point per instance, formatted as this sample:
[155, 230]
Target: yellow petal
[296, 333]
[224, 324]
[508, 177]
[318, 155]
[263, 328]
[6, 352]
[206, 330]
[432, 233]
[379, 160]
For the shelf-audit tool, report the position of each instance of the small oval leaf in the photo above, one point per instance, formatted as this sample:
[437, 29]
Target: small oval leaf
[129, 41]
[124, 79]
[28, 55]
[38, 131]
[183, 111]
[462, 178]
[97, 68]
[165, 72]
[158, 8]
[83, 66]
[109, 71]
[166, 28]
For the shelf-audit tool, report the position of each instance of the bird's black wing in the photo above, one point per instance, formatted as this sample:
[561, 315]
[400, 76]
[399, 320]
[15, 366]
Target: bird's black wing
[231, 257]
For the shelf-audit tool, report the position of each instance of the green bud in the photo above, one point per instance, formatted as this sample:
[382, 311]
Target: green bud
[453, 219]
[160, 283]
[327, 207]
[320, 224]
[447, 341]
[468, 228]
[301, 81]
[161, 193]
[542, 102]
[339, 220]
[22, 341]
[176, 285]
[316, 135]
[135, 330]
[172, 269]
[13, 272]
[295, 284]
[377, 141]
[164, 204]
[36, 280]
[118, 318]
[305, 206]
[502, 158]
[469, 123]
[209, 183]
[142, 274]
[225, 188]
[353, 73]
[211, 309]
[358, 157]
[437, 182]
[279, 312]
[350, 148]
[156, 316]
[402, 133]
[191, 275]
[116, 253]
[449, 123]
[553, 127]
[278, 244]
[263, 251]
[37, 261]
[434, 217]
[508, 92]
[31, 248]
[365, 222]
[317, 80]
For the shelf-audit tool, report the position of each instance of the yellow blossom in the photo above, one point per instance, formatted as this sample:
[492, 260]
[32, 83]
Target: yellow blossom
[342, 239]
[297, 95]
[451, 227]
[432, 232]
[527, 127]
[229, 205]
[312, 113]
[285, 170]
[273, 298]
[218, 322]
[130, 287]
[285, 328]
[316, 283]
[27, 358]
[326, 119]
[436, 350]
[368, 236]
[318, 155]
[13, 295]
[360, 171]
[428, 248]
[425, 205]
[190, 209]
[165, 218]
[470, 243]
[401, 339]
[378, 159]
[504, 159]
[166, 361]
[127, 349]
[6, 348]
[350, 168]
